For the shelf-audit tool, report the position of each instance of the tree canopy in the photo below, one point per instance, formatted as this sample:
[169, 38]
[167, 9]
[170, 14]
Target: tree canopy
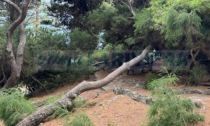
[99, 26]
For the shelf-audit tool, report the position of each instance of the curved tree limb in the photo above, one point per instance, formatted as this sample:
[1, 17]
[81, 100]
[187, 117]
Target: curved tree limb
[22, 14]
[193, 56]
[39, 83]
[16, 62]
[66, 101]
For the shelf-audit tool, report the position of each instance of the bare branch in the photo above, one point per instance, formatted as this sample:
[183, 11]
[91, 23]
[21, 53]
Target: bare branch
[193, 56]
[40, 83]
[130, 7]
[4, 77]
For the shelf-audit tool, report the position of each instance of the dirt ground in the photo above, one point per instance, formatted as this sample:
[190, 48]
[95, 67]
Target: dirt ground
[120, 110]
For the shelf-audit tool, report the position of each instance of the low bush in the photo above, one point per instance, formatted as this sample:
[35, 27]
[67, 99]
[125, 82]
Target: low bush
[149, 78]
[168, 109]
[197, 74]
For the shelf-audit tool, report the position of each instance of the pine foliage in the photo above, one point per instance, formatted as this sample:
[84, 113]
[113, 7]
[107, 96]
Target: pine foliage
[169, 79]
[181, 22]
[168, 109]
[181, 25]
[143, 22]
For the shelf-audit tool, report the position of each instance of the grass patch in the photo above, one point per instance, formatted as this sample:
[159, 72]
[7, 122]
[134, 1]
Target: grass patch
[14, 107]
[59, 113]
[80, 120]
[79, 103]
[52, 99]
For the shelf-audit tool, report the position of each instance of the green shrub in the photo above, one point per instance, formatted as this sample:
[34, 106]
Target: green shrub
[55, 80]
[175, 64]
[13, 106]
[197, 74]
[167, 108]
[81, 120]
[163, 81]
[149, 78]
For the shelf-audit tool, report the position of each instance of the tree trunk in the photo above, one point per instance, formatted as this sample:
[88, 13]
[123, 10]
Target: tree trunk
[16, 62]
[66, 101]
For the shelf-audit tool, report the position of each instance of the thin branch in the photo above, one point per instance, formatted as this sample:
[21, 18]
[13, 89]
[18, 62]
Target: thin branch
[4, 77]
[193, 56]
[2, 80]
[29, 17]
[40, 83]
[130, 7]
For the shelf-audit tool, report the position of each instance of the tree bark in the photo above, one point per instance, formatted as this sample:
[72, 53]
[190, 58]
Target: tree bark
[66, 101]
[16, 62]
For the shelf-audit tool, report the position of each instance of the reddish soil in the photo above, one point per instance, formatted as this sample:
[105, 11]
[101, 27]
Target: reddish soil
[120, 110]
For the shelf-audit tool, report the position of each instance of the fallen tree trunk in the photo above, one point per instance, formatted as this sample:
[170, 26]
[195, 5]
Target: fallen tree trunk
[66, 101]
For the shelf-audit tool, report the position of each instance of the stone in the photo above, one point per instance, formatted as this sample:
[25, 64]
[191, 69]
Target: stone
[149, 100]
[103, 89]
[207, 92]
[118, 90]
[134, 95]
[195, 91]
[192, 91]
[187, 91]
[198, 104]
